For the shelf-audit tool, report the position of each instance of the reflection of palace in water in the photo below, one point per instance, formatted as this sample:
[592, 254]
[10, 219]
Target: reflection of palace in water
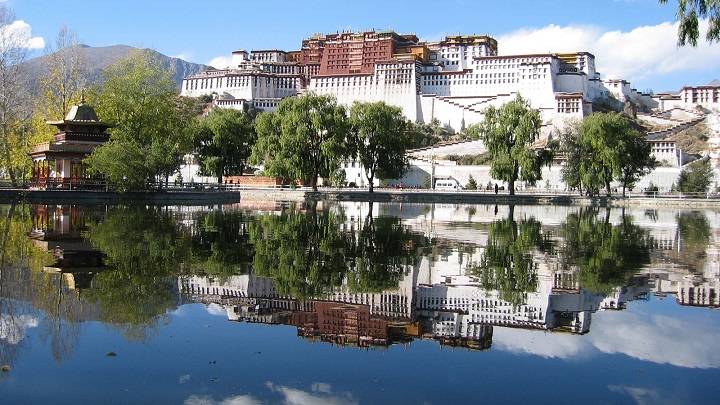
[429, 303]
[439, 298]
[59, 229]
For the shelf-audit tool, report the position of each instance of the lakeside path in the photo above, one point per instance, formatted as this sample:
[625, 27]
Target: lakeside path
[171, 197]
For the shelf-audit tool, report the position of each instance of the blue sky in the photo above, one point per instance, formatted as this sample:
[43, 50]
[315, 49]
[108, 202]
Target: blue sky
[633, 40]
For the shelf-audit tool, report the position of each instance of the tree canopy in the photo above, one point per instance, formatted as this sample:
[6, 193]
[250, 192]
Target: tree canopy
[509, 133]
[302, 252]
[507, 264]
[147, 146]
[305, 138]
[689, 13]
[604, 255]
[380, 137]
[602, 148]
[223, 142]
[696, 177]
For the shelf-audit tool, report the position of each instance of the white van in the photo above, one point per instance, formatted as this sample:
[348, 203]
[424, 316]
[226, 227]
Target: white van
[450, 184]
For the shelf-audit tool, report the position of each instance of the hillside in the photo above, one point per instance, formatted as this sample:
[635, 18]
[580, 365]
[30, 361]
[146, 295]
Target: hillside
[99, 58]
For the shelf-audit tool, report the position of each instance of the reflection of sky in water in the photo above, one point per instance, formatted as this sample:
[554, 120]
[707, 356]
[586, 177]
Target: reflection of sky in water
[320, 394]
[685, 340]
[654, 351]
[13, 328]
[201, 358]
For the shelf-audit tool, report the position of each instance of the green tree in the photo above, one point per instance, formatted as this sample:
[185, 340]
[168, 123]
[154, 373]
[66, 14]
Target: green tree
[509, 133]
[302, 251]
[634, 158]
[428, 134]
[380, 254]
[598, 136]
[471, 184]
[689, 13]
[603, 148]
[15, 110]
[604, 254]
[507, 264]
[305, 138]
[223, 142]
[696, 177]
[147, 146]
[582, 171]
[380, 137]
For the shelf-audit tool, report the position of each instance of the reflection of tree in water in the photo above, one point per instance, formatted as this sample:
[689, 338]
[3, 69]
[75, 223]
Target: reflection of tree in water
[146, 248]
[604, 254]
[507, 264]
[303, 252]
[221, 243]
[695, 234]
[16, 256]
[381, 251]
[309, 254]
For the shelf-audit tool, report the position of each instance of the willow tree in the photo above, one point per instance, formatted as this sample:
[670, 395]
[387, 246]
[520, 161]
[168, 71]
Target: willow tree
[380, 137]
[509, 133]
[604, 254]
[689, 13]
[605, 148]
[223, 142]
[508, 264]
[305, 138]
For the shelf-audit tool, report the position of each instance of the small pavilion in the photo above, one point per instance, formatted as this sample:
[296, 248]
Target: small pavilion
[59, 164]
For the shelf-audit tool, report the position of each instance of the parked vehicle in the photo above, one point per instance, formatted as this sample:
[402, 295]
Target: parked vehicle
[449, 184]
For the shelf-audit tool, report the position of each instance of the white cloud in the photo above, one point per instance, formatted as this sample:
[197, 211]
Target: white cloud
[20, 33]
[643, 396]
[208, 400]
[215, 309]
[321, 395]
[654, 338]
[644, 52]
[221, 62]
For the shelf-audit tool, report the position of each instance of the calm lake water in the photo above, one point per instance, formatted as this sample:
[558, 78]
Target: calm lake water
[353, 303]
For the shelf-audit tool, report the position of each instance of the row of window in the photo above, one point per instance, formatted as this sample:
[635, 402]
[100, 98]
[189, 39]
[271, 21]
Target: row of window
[469, 82]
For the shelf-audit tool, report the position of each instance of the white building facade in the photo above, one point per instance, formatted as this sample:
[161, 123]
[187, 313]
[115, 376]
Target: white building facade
[452, 80]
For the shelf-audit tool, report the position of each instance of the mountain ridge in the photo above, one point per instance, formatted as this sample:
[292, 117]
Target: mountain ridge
[99, 58]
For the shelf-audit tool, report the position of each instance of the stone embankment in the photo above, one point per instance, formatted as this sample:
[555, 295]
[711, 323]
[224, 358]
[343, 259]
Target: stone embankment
[109, 197]
[381, 195]
[469, 197]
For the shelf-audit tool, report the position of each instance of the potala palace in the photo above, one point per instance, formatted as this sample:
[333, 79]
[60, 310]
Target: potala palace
[452, 81]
